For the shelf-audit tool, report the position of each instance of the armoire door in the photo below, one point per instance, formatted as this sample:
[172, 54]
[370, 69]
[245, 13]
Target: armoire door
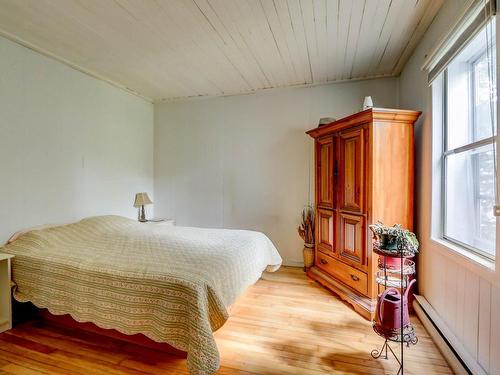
[352, 239]
[324, 173]
[325, 231]
[351, 170]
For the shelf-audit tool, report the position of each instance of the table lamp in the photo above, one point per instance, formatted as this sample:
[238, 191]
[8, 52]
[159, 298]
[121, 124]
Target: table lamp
[142, 199]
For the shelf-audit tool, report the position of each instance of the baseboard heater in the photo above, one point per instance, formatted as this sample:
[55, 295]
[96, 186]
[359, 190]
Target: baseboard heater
[460, 361]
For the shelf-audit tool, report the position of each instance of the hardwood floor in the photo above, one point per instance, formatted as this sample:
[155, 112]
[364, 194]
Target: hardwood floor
[285, 324]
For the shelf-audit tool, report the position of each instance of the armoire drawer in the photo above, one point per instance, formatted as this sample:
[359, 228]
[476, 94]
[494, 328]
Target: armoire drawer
[342, 272]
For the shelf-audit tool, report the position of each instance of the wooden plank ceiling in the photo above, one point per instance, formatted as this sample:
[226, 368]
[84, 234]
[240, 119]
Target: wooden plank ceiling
[166, 49]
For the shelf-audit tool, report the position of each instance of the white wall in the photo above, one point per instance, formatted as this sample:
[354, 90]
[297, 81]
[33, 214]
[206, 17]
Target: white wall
[244, 161]
[464, 294]
[70, 145]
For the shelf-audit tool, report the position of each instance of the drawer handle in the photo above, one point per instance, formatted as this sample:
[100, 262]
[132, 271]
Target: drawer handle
[322, 261]
[354, 277]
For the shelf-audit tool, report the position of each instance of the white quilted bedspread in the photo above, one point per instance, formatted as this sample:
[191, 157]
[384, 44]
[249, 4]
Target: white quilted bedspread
[173, 284]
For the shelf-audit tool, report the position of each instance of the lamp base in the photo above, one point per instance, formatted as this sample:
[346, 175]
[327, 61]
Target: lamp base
[142, 215]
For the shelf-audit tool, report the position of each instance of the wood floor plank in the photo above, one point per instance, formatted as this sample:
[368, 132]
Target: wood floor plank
[28, 344]
[22, 358]
[285, 324]
[63, 343]
[21, 370]
[42, 363]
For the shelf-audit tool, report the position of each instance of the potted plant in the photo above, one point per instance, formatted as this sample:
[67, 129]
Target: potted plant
[395, 240]
[306, 232]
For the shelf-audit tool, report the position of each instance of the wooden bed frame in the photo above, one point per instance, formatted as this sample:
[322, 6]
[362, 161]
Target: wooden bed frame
[28, 311]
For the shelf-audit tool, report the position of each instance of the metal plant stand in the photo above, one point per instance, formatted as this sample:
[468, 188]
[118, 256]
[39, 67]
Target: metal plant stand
[392, 276]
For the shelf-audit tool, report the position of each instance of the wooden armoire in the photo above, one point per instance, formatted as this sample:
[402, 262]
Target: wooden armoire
[363, 174]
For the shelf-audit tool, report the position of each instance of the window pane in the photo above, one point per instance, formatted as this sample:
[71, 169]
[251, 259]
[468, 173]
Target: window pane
[482, 97]
[470, 196]
[470, 103]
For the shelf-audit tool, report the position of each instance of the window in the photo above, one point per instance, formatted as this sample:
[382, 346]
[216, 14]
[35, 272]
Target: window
[469, 99]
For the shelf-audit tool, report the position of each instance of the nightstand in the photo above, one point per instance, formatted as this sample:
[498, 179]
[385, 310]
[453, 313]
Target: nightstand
[5, 293]
[166, 222]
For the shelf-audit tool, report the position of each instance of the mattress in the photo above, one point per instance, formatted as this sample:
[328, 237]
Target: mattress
[172, 284]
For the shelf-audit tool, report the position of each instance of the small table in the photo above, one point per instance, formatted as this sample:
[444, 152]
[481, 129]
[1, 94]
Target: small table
[5, 293]
[165, 222]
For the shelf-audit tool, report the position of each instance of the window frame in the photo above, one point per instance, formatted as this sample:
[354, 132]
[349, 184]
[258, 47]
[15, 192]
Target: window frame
[445, 152]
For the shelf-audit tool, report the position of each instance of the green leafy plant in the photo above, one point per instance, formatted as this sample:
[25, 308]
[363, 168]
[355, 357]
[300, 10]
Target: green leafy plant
[306, 228]
[395, 238]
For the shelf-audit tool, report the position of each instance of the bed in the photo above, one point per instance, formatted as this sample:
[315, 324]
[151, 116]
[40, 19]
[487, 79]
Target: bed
[171, 284]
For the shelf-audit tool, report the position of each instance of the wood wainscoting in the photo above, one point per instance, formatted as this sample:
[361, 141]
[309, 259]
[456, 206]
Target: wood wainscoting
[285, 324]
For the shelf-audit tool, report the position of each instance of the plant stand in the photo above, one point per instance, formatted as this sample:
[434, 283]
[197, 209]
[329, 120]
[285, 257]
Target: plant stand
[396, 277]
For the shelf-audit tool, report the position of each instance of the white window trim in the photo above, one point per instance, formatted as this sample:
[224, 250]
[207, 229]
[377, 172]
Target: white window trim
[477, 252]
[465, 253]
[448, 248]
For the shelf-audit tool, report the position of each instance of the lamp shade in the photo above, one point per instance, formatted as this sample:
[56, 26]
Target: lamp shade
[142, 199]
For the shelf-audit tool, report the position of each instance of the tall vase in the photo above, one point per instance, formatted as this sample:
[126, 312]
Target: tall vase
[308, 253]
